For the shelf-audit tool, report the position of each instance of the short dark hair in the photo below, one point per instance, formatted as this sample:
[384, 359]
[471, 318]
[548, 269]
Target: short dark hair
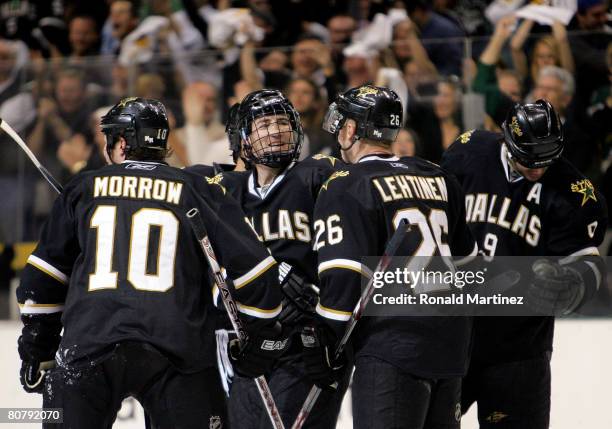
[147, 154]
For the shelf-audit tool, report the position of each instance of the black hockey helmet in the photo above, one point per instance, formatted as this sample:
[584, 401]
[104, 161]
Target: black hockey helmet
[276, 148]
[533, 134]
[377, 111]
[232, 131]
[142, 122]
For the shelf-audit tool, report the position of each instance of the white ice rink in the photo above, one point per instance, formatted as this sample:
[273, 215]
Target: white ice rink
[581, 367]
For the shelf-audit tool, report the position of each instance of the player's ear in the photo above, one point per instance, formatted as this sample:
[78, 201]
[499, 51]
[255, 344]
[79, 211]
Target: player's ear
[351, 129]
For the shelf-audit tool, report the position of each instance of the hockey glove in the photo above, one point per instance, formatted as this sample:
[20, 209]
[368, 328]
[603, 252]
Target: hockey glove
[263, 347]
[37, 345]
[556, 289]
[319, 343]
[300, 297]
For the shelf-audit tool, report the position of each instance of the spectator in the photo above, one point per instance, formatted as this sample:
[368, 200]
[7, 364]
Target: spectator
[306, 97]
[419, 80]
[407, 47]
[437, 124]
[405, 144]
[202, 139]
[556, 85]
[588, 46]
[498, 98]
[192, 22]
[39, 24]
[122, 20]
[340, 29]
[509, 84]
[600, 112]
[16, 107]
[58, 118]
[83, 152]
[311, 59]
[150, 85]
[269, 73]
[548, 51]
[447, 56]
[84, 36]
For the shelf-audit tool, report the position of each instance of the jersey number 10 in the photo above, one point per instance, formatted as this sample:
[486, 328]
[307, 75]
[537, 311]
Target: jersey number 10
[104, 220]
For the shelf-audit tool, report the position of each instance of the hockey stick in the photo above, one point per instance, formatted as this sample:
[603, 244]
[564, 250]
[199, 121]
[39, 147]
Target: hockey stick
[17, 139]
[197, 224]
[396, 239]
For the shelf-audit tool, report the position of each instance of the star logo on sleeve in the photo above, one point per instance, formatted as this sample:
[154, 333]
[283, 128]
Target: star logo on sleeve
[465, 137]
[584, 187]
[320, 156]
[334, 176]
[216, 180]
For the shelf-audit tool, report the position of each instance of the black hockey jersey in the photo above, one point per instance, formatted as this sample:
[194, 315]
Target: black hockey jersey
[561, 214]
[119, 258]
[356, 213]
[282, 215]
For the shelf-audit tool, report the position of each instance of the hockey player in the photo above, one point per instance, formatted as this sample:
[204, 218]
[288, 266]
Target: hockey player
[407, 369]
[118, 267]
[278, 196]
[523, 198]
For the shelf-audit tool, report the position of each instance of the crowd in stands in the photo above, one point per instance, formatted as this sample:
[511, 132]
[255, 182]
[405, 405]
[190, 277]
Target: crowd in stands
[456, 64]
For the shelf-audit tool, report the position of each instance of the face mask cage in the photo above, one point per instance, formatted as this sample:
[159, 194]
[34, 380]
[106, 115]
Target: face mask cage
[272, 136]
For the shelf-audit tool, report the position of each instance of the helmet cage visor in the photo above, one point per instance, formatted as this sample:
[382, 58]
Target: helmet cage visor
[272, 135]
[333, 120]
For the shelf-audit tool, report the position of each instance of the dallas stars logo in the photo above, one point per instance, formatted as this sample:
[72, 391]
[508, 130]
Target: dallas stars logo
[584, 187]
[216, 181]
[366, 90]
[514, 126]
[125, 101]
[320, 156]
[334, 176]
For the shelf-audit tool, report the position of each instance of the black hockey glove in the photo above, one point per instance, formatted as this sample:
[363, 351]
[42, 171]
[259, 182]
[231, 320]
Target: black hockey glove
[300, 297]
[263, 347]
[320, 343]
[556, 289]
[37, 345]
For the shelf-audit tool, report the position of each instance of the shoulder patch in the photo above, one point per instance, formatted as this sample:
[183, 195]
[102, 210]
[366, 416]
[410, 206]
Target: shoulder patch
[465, 137]
[335, 175]
[320, 156]
[586, 188]
[216, 180]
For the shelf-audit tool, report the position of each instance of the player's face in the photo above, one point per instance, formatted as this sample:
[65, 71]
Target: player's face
[531, 174]
[271, 134]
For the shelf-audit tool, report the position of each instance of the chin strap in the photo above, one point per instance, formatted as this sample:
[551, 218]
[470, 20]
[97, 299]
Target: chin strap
[355, 139]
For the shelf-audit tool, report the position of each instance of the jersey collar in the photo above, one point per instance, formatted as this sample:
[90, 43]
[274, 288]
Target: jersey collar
[258, 191]
[512, 176]
[378, 157]
[131, 161]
